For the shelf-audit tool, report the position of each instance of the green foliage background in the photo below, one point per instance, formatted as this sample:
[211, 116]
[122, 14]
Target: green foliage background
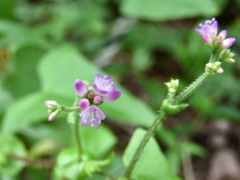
[45, 45]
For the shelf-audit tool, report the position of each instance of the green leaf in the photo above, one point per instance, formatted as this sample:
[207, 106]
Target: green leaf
[28, 110]
[97, 142]
[11, 145]
[60, 68]
[69, 167]
[151, 155]
[24, 79]
[192, 148]
[7, 9]
[141, 59]
[168, 9]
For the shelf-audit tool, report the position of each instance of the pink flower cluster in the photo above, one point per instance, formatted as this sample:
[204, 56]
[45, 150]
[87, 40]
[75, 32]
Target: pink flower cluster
[103, 90]
[209, 31]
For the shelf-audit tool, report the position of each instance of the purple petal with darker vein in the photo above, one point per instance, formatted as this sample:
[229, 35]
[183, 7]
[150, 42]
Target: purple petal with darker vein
[80, 88]
[92, 116]
[111, 96]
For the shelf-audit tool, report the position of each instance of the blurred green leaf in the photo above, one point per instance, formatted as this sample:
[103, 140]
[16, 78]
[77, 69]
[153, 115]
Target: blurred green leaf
[12, 146]
[192, 148]
[60, 68]
[151, 156]
[141, 59]
[24, 79]
[168, 9]
[97, 142]
[229, 113]
[6, 9]
[69, 167]
[167, 137]
[28, 110]
[174, 159]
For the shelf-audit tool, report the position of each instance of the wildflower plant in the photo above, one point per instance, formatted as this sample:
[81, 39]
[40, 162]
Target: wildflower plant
[89, 98]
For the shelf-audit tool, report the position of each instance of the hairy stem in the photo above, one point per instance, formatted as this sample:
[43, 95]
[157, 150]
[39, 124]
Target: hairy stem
[190, 89]
[143, 143]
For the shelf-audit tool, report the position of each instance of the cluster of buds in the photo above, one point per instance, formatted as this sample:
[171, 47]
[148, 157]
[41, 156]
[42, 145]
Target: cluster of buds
[172, 85]
[209, 31]
[53, 109]
[103, 90]
[213, 68]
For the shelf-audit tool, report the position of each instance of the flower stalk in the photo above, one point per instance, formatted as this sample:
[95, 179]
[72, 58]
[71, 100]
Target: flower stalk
[143, 143]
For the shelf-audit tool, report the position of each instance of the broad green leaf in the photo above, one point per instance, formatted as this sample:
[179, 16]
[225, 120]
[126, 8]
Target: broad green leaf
[11, 146]
[97, 142]
[141, 59]
[28, 110]
[23, 79]
[7, 9]
[69, 167]
[151, 155]
[60, 68]
[168, 9]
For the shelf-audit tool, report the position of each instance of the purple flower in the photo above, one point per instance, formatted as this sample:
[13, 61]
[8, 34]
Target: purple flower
[92, 116]
[80, 88]
[104, 87]
[209, 31]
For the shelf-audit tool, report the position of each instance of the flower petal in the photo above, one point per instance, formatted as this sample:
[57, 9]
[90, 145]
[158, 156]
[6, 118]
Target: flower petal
[103, 85]
[222, 34]
[111, 96]
[228, 42]
[92, 116]
[214, 27]
[207, 39]
[80, 88]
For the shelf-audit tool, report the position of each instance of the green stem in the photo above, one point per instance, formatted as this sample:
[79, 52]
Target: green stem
[75, 110]
[70, 109]
[143, 143]
[190, 89]
[77, 137]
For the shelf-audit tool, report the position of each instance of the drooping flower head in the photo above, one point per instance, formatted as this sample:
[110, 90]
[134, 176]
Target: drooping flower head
[104, 87]
[209, 31]
[92, 116]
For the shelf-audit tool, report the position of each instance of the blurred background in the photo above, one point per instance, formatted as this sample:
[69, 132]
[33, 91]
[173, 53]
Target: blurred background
[46, 44]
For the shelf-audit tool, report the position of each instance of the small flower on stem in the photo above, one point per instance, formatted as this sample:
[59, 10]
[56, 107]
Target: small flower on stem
[209, 31]
[92, 116]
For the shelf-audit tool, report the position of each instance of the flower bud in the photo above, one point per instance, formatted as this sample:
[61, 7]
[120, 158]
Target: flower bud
[54, 114]
[84, 103]
[220, 71]
[52, 105]
[91, 95]
[97, 100]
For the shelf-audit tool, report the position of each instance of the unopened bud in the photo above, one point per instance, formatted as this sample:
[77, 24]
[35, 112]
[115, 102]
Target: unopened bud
[54, 114]
[84, 103]
[220, 71]
[209, 65]
[52, 105]
[97, 100]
